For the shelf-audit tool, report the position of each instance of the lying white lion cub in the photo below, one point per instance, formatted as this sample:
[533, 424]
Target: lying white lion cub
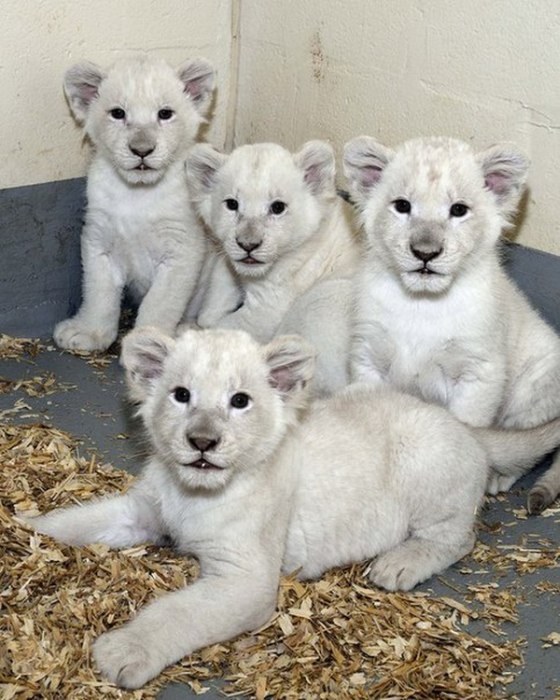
[140, 231]
[251, 484]
[436, 314]
[287, 242]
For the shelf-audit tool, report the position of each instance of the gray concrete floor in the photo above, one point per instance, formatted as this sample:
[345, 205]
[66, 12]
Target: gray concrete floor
[95, 411]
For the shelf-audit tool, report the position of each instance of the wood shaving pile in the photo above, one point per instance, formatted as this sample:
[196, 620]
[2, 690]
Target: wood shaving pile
[99, 360]
[23, 349]
[331, 639]
[40, 385]
[14, 348]
[525, 560]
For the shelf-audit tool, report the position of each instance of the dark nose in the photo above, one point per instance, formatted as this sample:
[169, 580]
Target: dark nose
[204, 444]
[425, 255]
[141, 152]
[247, 246]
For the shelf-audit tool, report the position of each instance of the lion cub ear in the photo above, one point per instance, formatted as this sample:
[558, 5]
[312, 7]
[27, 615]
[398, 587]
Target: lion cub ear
[198, 77]
[201, 167]
[143, 354]
[291, 361]
[364, 161]
[81, 86]
[316, 159]
[505, 169]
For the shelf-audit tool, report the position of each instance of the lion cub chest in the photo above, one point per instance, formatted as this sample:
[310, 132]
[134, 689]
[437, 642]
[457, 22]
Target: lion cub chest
[422, 346]
[137, 228]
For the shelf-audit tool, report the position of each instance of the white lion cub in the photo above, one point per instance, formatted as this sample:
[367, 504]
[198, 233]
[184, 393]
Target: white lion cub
[437, 316]
[287, 243]
[140, 231]
[249, 483]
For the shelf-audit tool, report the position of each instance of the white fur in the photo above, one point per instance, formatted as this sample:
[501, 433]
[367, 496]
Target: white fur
[361, 474]
[297, 278]
[140, 231]
[464, 336]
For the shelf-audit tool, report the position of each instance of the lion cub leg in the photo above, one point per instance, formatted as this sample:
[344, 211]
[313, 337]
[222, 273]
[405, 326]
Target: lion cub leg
[424, 553]
[233, 597]
[117, 521]
[96, 324]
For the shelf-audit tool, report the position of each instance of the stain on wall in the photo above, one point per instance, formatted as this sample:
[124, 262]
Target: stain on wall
[318, 59]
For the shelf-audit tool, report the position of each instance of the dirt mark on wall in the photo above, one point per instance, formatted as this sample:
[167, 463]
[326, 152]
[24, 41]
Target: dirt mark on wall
[318, 58]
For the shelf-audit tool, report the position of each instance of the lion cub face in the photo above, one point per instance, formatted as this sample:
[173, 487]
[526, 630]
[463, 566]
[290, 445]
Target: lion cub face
[215, 403]
[261, 202]
[141, 115]
[433, 208]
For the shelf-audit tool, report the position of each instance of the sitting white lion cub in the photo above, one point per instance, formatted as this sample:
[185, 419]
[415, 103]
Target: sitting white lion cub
[251, 484]
[140, 231]
[437, 316]
[287, 243]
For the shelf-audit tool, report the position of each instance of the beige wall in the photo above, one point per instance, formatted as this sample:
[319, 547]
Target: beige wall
[40, 39]
[480, 70]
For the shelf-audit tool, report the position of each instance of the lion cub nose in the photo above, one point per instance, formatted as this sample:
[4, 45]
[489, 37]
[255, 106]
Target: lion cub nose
[425, 255]
[204, 444]
[248, 247]
[142, 152]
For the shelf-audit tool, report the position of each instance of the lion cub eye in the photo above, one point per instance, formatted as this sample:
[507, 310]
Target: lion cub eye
[117, 113]
[277, 207]
[165, 114]
[181, 395]
[458, 209]
[231, 204]
[402, 206]
[240, 400]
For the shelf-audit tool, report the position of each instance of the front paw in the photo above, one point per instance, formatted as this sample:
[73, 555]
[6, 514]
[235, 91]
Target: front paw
[74, 334]
[125, 658]
[498, 483]
[393, 572]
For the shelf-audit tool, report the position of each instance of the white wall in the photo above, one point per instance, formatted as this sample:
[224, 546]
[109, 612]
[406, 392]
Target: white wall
[40, 39]
[480, 70]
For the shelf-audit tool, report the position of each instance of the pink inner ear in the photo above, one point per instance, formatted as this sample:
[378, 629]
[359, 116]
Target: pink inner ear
[497, 182]
[150, 365]
[281, 378]
[88, 92]
[370, 175]
[312, 175]
[194, 88]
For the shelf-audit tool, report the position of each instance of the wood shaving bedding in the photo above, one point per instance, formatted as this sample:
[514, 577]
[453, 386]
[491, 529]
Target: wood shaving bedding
[40, 385]
[17, 348]
[26, 349]
[330, 639]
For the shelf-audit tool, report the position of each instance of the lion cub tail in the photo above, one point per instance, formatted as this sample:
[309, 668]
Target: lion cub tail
[514, 452]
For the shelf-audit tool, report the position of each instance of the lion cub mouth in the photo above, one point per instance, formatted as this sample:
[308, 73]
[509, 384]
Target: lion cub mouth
[202, 464]
[143, 166]
[250, 261]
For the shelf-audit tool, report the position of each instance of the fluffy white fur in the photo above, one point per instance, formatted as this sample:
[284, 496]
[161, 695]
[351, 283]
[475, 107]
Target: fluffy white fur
[252, 484]
[140, 232]
[286, 243]
[436, 314]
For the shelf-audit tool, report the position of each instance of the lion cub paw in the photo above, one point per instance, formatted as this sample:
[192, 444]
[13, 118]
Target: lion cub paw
[393, 572]
[73, 334]
[125, 659]
[540, 497]
[497, 483]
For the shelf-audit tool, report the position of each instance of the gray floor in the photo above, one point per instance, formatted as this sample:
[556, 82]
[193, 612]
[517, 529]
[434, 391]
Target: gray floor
[94, 411]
